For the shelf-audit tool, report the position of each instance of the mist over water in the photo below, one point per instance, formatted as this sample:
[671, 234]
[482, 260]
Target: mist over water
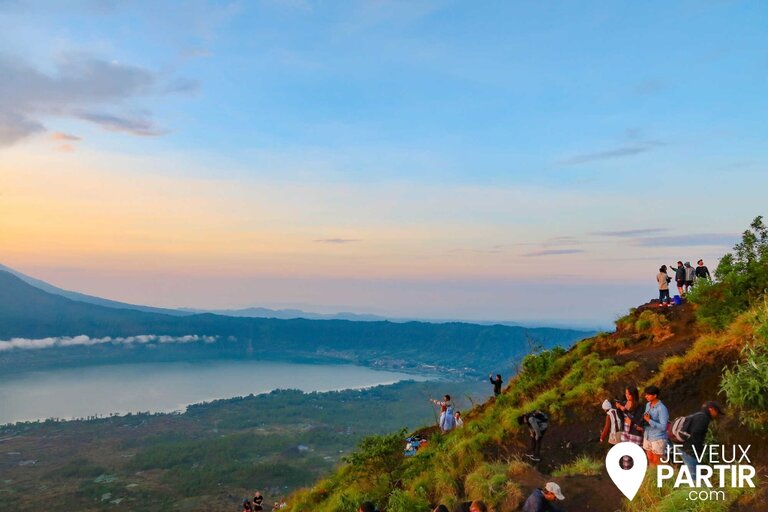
[165, 387]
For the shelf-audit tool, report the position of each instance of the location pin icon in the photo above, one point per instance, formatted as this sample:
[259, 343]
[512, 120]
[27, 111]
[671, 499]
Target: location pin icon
[627, 479]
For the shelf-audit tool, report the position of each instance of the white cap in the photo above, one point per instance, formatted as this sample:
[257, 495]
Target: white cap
[554, 489]
[607, 405]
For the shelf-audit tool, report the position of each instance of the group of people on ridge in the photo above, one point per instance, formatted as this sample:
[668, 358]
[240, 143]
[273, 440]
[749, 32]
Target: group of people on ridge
[685, 277]
[257, 504]
[449, 419]
[650, 427]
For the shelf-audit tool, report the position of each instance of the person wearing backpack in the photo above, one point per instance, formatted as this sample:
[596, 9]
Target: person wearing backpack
[696, 426]
[613, 424]
[538, 423]
[447, 421]
[656, 417]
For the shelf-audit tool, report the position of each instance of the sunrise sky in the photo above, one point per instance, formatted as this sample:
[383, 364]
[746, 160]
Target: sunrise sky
[441, 159]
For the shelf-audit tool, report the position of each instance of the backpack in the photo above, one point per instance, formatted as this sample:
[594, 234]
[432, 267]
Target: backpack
[616, 429]
[677, 431]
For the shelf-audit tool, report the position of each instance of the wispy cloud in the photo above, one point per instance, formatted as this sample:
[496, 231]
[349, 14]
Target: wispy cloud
[140, 125]
[621, 152]
[81, 86]
[692, 240]
[337, 240]
[628, 233]
[552, 252]
[62, 137]
[69, 341]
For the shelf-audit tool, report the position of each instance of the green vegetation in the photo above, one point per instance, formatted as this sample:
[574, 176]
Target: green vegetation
[582, 465]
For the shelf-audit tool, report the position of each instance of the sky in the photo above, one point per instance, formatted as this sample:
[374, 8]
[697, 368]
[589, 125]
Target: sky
[520, 161]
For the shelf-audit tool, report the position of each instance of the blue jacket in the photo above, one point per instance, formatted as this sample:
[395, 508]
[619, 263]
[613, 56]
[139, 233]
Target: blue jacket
[657, 427]
[536, 502]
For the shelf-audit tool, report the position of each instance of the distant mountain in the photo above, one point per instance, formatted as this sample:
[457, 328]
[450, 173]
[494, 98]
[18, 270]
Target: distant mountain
[89, 299]
[288, 314]
[30, 313]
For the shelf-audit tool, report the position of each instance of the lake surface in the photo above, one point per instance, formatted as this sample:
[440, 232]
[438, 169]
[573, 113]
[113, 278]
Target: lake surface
[165, 387]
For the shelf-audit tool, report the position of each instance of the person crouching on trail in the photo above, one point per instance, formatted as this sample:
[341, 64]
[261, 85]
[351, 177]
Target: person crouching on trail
[497, 382]
[538, 423]
[663, 279]
[613, 426]
[656, 418]
[447, 421]
[696, 426]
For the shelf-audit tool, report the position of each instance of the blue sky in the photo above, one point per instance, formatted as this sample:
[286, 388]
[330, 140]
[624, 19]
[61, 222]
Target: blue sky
[411, 146]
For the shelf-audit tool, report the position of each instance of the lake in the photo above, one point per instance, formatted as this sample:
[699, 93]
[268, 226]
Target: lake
[164, 387]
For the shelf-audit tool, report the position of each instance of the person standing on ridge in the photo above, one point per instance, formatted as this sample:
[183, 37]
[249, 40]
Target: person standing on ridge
[702, 272]
[447, 421]
[680, 278]
[656, 418]
[696, 426]
[690, 276]
[497, 382]
[663, 279]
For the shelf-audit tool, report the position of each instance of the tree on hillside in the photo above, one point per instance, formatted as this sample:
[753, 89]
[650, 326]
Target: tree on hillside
[741, 279]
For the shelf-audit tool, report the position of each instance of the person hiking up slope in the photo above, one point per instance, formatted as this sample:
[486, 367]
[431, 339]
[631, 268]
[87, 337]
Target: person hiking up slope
[541, 500]
[663, 279]
[496, 383]
[656, 418]
[613, 424]
[633, 416]
[537, 423]
[696, 426]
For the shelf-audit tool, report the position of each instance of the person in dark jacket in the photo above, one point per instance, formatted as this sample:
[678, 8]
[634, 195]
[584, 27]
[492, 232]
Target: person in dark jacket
[680, 277]
[497, 382]
[633, 416]
[541, 500]
[702, 272]
[696, 425]
[537, 423]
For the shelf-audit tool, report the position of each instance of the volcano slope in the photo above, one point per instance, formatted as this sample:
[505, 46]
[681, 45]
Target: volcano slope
[484, 460]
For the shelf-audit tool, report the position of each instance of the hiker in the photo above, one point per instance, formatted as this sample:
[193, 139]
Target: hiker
[247, 505]
[447, 421]
[478, 506]
[496, 383]
[680, 278]
[690, 276]
[702, 272]
[367, 506]
[663, 279]
[283, 504]
[656, 417]
[696, 426]
[613, 424]
[633, 416]
[541, 500]
[538, 423]
[258, 499]
[458, 419]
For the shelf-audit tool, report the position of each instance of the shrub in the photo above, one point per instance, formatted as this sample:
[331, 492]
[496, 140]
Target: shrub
[746, 386]
[582, 465]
